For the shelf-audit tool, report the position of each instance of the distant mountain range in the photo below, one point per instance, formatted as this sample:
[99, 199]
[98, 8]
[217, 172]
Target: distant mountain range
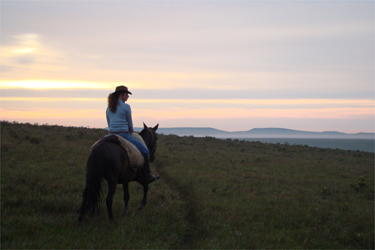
[261, 133]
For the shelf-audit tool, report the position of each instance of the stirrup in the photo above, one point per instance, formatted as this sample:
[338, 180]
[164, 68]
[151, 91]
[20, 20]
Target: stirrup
[151, 178]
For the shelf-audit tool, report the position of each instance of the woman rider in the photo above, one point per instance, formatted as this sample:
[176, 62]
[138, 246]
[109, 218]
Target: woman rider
[119, 119]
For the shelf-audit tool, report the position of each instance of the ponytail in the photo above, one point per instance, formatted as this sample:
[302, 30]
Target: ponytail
[112, 101]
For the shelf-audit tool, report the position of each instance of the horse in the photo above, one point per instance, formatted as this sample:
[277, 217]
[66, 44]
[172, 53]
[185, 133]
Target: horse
[109, 161]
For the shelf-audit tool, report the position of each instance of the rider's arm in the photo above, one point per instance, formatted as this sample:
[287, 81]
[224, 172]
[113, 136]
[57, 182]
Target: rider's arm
[108, 122]
[129, 119]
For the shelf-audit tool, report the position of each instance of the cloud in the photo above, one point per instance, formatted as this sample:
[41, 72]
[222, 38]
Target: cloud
[26, 56]
[25, 59]
[239, 45]
[102, 89]
[23, 50]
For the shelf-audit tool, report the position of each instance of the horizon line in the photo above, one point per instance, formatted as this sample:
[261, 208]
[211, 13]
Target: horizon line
[327, 131]
[106, 128]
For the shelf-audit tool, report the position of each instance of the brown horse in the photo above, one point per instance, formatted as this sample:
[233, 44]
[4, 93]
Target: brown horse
[110, 162]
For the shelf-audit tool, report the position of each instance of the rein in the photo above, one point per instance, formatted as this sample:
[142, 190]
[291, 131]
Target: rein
[152, 142]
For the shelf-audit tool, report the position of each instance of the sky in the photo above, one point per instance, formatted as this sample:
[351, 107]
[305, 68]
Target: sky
[229, 65]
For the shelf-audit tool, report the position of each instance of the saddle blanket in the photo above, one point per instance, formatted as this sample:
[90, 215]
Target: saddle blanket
[136, 159]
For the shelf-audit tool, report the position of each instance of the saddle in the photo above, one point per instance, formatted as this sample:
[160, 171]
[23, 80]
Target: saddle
[136, 160]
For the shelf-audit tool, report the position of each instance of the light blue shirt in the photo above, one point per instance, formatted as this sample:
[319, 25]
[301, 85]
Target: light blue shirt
[121, 120]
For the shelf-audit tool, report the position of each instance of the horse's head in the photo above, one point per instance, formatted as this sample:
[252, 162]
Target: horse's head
[150, 138]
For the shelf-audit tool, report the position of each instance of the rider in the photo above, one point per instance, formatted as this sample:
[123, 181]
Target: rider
[119, 119]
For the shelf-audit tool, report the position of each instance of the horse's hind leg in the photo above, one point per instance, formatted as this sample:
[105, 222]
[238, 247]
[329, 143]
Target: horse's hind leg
[125, 186]
[109, 200]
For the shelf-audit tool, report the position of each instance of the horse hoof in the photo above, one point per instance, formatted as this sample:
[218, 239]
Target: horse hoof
[80, 220]
[125, 213]
[141, 207]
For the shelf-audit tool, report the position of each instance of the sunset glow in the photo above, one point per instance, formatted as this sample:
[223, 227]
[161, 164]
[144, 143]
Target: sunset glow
[365, 103]
[178, 113]
[51, 84]
[50, 113]
[306, 65]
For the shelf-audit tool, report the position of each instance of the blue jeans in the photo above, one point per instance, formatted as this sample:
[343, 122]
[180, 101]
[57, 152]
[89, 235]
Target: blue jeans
[144, 150]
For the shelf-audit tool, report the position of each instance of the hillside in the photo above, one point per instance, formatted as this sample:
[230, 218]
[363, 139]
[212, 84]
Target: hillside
[262, 133]
[213, 194]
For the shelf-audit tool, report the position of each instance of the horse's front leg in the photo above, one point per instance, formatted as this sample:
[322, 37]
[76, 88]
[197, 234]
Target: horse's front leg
[125, 186]
[144, 201]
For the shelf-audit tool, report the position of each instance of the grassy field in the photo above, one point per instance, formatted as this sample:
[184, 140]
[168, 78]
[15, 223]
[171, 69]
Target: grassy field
[213, 194]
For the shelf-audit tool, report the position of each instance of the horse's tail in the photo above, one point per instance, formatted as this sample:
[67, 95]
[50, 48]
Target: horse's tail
[94, 174]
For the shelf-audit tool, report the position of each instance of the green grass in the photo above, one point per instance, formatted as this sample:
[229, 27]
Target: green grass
[213, 194]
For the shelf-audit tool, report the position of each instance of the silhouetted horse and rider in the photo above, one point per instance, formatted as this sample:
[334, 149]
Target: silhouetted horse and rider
[109, 159]
[111, 162]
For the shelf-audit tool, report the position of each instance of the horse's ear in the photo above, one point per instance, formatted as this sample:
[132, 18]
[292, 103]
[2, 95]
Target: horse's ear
[156, 127]
[144, 126]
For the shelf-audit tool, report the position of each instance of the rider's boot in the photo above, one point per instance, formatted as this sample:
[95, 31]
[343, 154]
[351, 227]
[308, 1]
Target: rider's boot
[147, 175]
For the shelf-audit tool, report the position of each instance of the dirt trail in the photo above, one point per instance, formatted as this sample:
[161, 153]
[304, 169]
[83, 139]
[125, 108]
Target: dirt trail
[195, 230]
